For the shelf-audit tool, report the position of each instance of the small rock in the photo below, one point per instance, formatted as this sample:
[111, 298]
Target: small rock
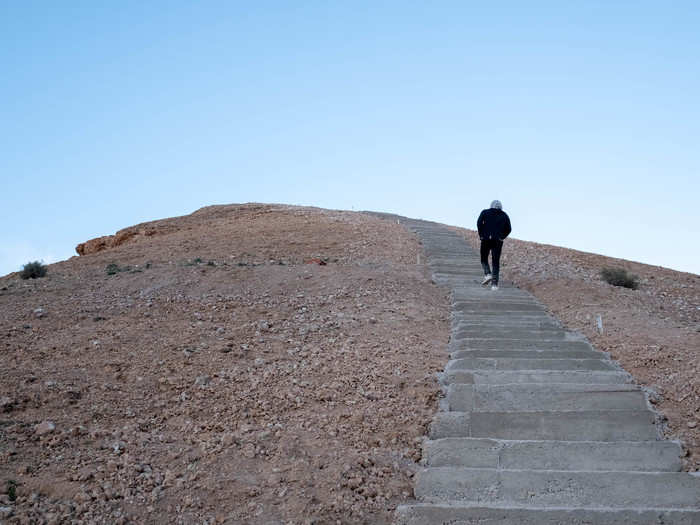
[202, 381]
[39, 313]
[259, 361]
[692, 424]
[355, 482]
[654, 398]
[44, 428]
[6, 404]
[263, 325]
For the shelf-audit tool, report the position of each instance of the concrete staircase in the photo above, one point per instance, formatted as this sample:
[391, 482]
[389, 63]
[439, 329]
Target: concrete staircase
[536, 427]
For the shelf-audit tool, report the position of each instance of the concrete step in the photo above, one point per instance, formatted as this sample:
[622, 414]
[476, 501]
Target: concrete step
[464, 514]
[504, 307]
[483, 292]
[471, 292]
[514, 363]
[541, 322]
[506, 326]
[497, 323]
[515, 344]
[649, 456]
[556, 488]
[592, 425]
[517, 334]
[529, 397]
[503, 377]
[449, 281]
[454, 270]
[479, 296]
[483, 295]
[495, 315]
[486, 332]
[530, 354]
[489, 319]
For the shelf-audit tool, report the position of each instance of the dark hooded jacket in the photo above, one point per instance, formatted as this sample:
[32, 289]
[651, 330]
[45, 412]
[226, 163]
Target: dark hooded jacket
[493, 224]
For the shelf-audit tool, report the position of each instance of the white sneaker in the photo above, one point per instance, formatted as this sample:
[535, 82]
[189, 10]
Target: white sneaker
[494, 287]
[487, 279]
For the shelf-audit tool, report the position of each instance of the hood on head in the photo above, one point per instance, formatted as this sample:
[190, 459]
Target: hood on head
[497, 205]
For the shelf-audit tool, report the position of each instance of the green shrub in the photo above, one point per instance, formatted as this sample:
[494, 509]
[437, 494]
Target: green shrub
[11, 489]
[194, 262]
[32, 270]
[114, 268]
[619, 277]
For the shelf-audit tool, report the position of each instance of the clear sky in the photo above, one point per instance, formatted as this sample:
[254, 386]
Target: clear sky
[583, 118]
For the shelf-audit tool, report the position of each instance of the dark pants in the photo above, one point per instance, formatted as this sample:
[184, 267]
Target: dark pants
[494, 247]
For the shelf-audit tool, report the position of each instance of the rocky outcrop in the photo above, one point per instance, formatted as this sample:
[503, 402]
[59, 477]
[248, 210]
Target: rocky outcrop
[112, 241]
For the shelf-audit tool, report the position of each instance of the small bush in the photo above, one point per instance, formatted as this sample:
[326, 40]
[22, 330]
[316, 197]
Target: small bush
[11, 489]
[194, 262]
[619, 277]
[33, 270]
[114, 268]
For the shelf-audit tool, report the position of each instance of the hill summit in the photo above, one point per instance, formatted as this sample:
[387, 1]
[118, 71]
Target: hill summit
[273, 364]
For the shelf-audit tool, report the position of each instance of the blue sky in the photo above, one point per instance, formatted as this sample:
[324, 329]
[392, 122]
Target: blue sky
[583, 118]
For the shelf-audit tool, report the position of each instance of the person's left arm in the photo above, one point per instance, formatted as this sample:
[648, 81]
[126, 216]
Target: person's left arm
[507, 228]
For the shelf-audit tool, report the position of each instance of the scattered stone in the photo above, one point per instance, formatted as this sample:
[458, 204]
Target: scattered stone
[44, 428]
[6, 404]
[202, 381]
[692, 424]
[249, 451]
[39, 313]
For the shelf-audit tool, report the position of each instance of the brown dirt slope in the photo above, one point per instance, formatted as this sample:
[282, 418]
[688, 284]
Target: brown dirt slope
[654, 331]
[243, 364]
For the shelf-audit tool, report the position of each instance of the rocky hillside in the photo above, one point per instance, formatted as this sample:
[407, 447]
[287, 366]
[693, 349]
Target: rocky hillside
[243, 364]
[653, 331]
[267, 364]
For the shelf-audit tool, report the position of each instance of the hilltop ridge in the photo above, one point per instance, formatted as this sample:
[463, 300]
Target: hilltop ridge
[256, 362]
